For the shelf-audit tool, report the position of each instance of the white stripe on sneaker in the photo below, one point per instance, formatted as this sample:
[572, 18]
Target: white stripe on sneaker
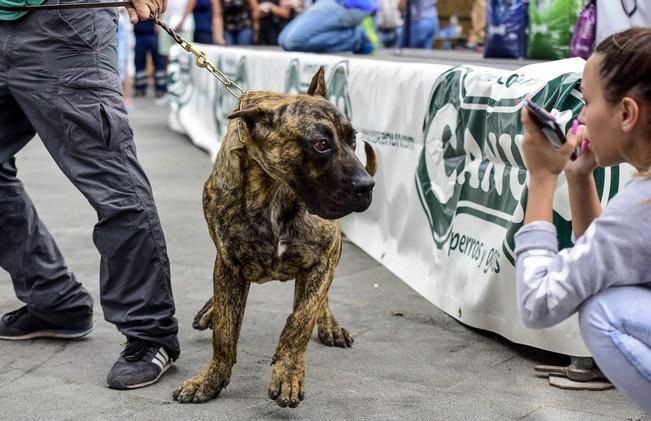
[160, 359]
[162, 351]
[157, 362]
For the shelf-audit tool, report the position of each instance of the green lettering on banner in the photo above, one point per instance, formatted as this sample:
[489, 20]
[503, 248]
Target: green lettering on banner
[484, 259]
[471, 161]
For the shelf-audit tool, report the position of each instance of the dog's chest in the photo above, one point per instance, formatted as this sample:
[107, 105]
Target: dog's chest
[270, 248]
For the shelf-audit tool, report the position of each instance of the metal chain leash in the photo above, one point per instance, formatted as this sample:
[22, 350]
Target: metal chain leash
[202, 62]
[200, 59]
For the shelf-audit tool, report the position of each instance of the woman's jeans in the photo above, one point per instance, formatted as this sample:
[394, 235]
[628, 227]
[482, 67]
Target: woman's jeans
[241, 37]
[616, 327]
[421, 34]
[325, 27]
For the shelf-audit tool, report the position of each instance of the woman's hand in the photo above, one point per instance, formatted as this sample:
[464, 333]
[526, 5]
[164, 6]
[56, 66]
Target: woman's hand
[542, 159]
[219, 39]
[585, 163]
[264, 8]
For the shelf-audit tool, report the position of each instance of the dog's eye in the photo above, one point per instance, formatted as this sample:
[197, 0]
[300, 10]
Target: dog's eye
[321, 146]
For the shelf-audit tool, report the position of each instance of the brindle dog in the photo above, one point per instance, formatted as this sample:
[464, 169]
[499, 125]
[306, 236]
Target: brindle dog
[285, 172]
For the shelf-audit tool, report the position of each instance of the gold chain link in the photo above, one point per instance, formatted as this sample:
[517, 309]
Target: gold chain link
[200, 59]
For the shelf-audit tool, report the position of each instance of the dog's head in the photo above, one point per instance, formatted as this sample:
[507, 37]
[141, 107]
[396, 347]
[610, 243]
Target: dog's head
[306, 143]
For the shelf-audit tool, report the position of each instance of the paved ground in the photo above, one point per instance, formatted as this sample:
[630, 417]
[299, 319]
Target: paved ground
[423, 365]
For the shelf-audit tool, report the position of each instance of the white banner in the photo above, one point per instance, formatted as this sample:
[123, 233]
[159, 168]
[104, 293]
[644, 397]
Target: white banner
[451, 178]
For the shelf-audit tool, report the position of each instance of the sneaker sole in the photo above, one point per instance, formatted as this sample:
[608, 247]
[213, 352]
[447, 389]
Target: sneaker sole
[139, 385]
[60, 334]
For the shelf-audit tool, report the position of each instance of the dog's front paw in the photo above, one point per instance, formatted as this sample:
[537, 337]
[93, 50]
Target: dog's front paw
[287, 383]
[332, 333]
[200, 388]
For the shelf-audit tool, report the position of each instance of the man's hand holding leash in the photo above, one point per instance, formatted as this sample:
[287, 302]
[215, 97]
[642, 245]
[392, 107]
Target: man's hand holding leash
[144, 9]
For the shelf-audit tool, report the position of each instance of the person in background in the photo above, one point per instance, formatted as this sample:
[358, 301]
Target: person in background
[273, 16]
[478, 20]
[240, 21]
[605, 277]
[389, 22]
[147, 42]
[333, 26]
[124, 46]
[422, 26]
[207, 21]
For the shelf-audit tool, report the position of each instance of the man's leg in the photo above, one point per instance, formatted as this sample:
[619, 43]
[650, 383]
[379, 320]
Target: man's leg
[38, 272]
[478, 19]
[425, 32]
[140, 62]
[30, 255]
[70, 92]
[160, 74]
[325, 27]
[616, 327]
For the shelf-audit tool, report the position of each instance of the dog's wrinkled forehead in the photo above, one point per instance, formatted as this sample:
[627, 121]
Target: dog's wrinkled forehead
[312, 115]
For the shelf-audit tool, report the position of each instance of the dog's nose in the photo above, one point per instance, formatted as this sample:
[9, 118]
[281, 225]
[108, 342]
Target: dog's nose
[363, 187]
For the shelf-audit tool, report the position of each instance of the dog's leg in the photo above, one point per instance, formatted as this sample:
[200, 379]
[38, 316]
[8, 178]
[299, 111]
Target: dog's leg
[230, 293]
[331, 333]
[203, 318]
[288, 371]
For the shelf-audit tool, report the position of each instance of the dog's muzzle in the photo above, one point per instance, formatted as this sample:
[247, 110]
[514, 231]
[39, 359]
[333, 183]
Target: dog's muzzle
[363, 193]
[356, 197]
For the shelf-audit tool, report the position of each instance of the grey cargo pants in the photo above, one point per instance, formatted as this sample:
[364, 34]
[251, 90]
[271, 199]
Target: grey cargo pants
[59, 78]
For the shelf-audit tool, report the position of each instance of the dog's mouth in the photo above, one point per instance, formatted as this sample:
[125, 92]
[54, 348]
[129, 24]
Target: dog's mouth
[336, 209]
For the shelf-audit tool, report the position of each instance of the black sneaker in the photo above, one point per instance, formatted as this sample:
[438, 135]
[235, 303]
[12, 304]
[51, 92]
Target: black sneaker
[21, 324]
[140, 364]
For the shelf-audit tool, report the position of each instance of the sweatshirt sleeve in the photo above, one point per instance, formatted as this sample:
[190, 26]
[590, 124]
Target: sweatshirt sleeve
[614, 251]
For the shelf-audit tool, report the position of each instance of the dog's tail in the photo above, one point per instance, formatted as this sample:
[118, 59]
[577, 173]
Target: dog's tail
[371, 161]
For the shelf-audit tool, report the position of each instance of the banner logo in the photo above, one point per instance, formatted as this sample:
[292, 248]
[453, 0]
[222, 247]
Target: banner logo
[299, 75]
[180, 85]
[471, 162]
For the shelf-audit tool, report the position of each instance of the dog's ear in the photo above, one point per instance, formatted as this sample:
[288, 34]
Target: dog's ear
[371, 162]
[250, 115]
[257, 119]
[318, 85]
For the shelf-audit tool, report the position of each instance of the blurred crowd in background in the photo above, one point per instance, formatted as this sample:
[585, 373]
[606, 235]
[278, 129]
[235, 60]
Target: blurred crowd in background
[537, 29]
[358, 26]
